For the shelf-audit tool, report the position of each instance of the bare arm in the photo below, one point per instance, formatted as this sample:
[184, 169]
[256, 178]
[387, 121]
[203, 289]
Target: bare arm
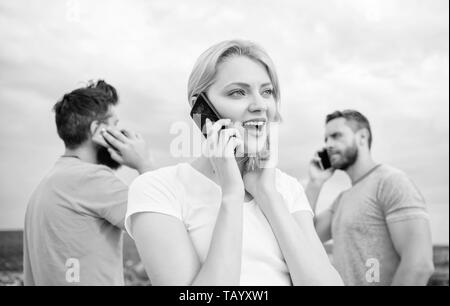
[322, 221]
[305, 256]
[164, 244]
[312, 191]
[170, 259]
[317, 178]
[412, 240]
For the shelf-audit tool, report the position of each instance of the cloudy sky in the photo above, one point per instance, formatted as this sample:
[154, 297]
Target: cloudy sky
[387, 58]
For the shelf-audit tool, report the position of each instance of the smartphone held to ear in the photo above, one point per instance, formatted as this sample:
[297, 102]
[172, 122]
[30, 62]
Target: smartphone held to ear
[324, 159]
[202, 110]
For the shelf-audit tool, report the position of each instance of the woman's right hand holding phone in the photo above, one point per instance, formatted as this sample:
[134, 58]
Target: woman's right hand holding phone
[220, 146]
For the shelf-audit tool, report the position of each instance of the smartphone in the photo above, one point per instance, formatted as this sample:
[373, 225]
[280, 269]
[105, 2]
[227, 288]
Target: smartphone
[324, 159]
[203, 109]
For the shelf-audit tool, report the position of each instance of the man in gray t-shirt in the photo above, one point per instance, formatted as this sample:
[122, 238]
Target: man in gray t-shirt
[74, 219]
[380, 226]
[73, 226]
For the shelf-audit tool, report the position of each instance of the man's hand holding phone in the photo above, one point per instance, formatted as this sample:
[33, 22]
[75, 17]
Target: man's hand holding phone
[318, 174]
[127, 148]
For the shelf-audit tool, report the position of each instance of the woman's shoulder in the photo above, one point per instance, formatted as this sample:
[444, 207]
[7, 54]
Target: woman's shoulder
[285, 180]
[292, 190]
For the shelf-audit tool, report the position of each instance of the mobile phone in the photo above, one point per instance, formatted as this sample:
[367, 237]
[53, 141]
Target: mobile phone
[324, 159]
[202, 110]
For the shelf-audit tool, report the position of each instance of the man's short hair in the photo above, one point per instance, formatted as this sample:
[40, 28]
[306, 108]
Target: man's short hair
[358, 120]
[76, 110]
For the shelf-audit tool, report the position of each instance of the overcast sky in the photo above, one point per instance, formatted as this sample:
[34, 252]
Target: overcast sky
[387, 58]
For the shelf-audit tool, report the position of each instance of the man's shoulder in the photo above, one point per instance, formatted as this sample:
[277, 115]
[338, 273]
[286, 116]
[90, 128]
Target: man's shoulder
[387, 170]
[393, 182]
[87, 169]
[378, 177]
[389, 174]
[78, 174]
[382, 174]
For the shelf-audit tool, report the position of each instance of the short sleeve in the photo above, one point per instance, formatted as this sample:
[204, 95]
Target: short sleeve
[105, 195]
[153, 191]
[400, 198]
[294, 194]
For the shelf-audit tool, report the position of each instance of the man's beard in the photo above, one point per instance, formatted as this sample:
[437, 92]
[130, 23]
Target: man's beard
[104, 158]
[347, 158]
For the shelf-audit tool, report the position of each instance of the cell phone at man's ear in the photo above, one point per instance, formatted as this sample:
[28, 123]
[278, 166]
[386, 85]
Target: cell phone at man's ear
[324, 159]
[203, 109]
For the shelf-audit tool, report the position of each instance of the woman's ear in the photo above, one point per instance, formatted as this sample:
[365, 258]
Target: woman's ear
[193, 99]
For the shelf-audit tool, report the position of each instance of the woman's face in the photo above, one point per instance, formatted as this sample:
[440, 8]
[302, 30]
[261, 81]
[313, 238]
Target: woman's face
[243, 92]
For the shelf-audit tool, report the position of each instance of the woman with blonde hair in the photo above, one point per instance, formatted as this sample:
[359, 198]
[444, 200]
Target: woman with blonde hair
[217, 220]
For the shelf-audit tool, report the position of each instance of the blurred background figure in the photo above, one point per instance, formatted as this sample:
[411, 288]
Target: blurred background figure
[75, 217]
[380, 226]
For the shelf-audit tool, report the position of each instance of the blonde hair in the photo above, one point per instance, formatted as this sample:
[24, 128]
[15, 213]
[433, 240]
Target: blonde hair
[205, 69]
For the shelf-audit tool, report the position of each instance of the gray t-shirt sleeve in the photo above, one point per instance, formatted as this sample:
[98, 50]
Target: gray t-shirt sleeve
[400, 199]
[105, 195]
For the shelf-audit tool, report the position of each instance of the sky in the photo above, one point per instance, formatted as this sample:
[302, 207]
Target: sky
[388, 59]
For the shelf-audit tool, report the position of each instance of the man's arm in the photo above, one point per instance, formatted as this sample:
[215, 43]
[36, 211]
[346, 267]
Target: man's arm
[317, 178]
[130, 149]
[322, 222]
[412, 240]
[405, 211]
[107, 196]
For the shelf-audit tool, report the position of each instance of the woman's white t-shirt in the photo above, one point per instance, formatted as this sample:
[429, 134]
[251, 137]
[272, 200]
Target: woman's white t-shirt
[183, 192]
